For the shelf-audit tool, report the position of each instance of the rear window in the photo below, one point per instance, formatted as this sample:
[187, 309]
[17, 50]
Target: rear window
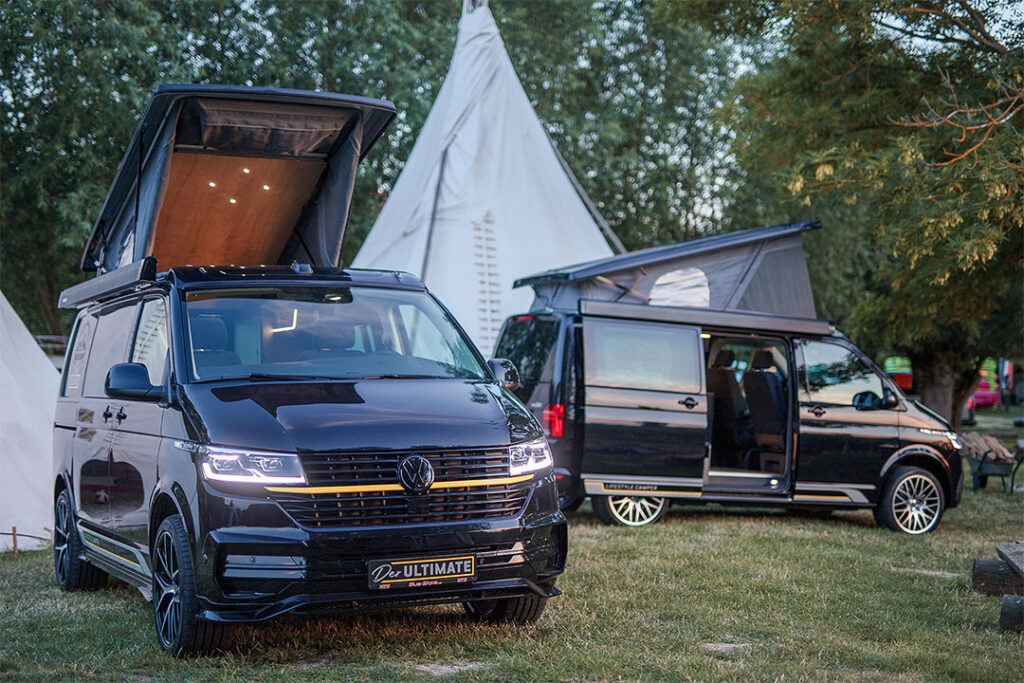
[529, 342]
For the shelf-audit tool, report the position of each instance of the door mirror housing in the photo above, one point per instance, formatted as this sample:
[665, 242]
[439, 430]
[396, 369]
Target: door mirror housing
[505, 372]
[131, 381]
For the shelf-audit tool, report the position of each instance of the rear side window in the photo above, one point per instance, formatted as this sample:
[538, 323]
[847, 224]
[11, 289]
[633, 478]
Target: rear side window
[77, 355]
[151, 342]
[109, 347]
[640, 355]
[529, 342]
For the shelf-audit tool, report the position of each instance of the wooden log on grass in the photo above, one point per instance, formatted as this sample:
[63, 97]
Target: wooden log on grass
[995, 577]
[1011, 616]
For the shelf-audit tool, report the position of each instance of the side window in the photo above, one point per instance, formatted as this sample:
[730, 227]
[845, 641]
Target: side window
[834, 375]
[77, 355]
[151, 341]
[652, 356]
[109, 347]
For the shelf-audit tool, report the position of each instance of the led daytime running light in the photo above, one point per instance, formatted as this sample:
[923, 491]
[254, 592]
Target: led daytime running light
[532, 456]
[256, 467]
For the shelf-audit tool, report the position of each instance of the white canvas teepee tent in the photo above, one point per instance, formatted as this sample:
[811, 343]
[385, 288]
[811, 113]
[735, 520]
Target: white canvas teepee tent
[484, 197]
[28, 395]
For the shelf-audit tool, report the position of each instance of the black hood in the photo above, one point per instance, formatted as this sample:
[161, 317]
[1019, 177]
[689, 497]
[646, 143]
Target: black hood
[380, 414]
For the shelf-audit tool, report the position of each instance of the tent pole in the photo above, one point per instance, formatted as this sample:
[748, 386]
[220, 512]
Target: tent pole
[433, 215]
[609, 234]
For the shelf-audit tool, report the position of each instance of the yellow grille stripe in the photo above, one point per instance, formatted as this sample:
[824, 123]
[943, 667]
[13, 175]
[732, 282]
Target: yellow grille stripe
[462, 483]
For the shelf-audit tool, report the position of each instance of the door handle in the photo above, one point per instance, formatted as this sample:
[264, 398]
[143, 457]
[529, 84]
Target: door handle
[120, 414]
[817, 411]
[689, 402]
[107, 414]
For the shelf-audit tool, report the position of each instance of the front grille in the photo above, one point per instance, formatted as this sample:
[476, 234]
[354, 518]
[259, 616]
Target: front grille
[323, 510]
[332, 468]
[377, 508]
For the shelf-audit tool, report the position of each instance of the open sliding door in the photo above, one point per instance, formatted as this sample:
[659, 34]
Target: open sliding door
[645, 408]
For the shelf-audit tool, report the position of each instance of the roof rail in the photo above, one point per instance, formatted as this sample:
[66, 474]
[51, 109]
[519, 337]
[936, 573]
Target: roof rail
[109, 284]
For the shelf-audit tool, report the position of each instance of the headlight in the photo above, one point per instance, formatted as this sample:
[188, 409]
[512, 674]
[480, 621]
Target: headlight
[531, 456]
[952, 437]
[258, 467]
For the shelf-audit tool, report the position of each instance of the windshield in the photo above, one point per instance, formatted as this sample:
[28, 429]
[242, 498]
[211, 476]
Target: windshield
[323, 332]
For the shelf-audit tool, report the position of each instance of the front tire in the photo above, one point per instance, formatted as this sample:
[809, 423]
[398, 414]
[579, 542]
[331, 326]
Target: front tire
[72, 572]
[174, 596]
[629, 510]
[912, 501]
[524, 610]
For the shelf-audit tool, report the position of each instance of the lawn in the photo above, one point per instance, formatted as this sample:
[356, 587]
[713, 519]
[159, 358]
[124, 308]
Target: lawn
[707, 594]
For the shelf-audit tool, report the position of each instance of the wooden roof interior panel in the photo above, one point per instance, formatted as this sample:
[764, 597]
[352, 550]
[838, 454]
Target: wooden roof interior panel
[227, 210]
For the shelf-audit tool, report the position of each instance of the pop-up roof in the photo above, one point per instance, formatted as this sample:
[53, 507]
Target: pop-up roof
[232, 175]
[764, 270]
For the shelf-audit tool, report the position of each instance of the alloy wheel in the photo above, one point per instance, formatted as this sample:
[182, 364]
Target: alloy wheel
[167, 598]
[916, 504]
[636, 511]
[61, 535]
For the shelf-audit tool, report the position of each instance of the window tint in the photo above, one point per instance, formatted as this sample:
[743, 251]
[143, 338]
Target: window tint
[109, 347]
[151, 340]
[652, 356]
[528, 342]
[77, 355]
[836, 376]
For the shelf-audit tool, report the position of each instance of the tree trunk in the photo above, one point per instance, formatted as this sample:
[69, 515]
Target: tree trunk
[934, 374]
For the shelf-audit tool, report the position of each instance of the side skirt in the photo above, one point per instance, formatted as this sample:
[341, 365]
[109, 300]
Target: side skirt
[118, 559]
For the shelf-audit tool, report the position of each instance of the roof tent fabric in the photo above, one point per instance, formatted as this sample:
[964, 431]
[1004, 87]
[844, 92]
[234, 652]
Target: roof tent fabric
[762, 270]
[28, 393]
[483, 198]
[231, 175]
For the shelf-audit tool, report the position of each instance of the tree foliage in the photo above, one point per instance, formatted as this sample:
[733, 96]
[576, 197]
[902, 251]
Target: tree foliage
[909, 113]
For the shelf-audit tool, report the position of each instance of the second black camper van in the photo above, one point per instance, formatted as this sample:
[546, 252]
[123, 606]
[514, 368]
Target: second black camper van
[649, 405]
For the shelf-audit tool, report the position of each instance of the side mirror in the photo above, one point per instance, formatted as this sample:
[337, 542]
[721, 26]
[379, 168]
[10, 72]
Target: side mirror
[867, 400]
[131, 381]
[505, 372]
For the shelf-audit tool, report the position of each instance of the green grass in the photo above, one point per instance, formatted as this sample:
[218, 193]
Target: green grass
[811, 599]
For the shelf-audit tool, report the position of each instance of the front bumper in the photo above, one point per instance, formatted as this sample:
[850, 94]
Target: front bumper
[254, 562]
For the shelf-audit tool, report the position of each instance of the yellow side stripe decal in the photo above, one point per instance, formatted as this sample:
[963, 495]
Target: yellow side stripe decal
[114, 555]
[642, 493]
[462, 483]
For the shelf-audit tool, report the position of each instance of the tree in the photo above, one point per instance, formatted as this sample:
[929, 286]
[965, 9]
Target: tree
[912, 112]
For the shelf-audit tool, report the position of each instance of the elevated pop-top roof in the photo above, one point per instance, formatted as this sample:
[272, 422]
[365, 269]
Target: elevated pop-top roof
[236, 175]
[655, 255]
[762, 270]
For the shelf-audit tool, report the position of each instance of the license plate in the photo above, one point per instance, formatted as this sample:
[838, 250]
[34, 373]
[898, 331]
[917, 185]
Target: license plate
[385, 574]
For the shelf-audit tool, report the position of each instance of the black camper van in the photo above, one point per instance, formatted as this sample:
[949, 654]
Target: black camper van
[648, 405]
[242, 441]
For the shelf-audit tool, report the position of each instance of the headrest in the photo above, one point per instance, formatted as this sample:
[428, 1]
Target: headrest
[724, 359]
[209, 333]
[763, 360]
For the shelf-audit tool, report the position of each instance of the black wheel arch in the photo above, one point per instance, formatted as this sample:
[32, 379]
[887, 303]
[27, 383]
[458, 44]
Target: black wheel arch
[925, 457]
[167, 502]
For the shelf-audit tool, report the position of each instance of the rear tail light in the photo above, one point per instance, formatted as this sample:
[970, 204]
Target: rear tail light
[553, 419]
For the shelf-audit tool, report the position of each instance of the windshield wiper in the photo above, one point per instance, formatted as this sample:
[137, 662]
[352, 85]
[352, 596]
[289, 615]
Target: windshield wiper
[402, 376]
[269, 376]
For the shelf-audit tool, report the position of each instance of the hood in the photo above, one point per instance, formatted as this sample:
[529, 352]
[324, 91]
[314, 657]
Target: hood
[380, 414]
[920, 416]
[232, 175]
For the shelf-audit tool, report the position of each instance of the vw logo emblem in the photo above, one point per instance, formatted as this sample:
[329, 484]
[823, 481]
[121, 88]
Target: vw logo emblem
[415, 473]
